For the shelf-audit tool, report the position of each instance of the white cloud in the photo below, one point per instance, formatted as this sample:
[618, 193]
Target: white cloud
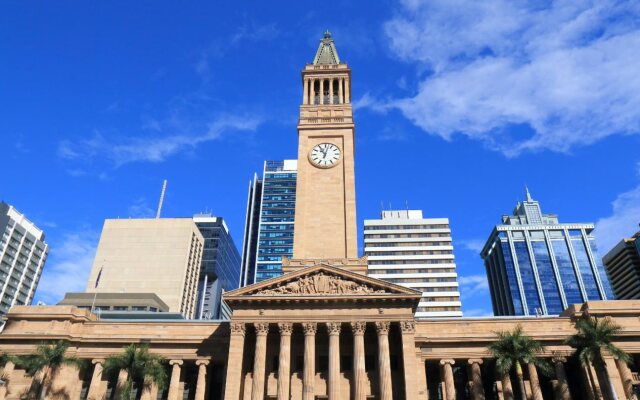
[471, 285]
[566, 70]
[474, 245]
[68, 265]
[154, 148]
[141, 209]
[623, 222]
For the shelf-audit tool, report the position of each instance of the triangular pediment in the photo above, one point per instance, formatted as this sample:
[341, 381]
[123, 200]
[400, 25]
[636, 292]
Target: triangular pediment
[322, 280]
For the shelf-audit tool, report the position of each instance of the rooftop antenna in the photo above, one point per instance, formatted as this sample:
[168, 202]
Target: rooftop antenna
[406, 204]
[164, 189]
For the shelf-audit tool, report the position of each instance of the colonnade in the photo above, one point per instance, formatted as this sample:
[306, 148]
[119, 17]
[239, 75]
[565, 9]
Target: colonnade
[335, 88]
[309, 391]
[97, 388]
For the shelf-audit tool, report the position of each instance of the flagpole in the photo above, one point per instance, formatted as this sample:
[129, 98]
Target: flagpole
[95, 295]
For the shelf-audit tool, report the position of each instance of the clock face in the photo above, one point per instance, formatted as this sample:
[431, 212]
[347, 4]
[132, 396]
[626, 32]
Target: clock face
[325, 155]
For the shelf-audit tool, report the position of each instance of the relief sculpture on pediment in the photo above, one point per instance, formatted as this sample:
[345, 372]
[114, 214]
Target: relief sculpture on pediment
[320, 283]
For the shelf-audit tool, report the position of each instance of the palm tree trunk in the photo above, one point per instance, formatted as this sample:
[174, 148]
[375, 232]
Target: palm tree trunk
[42, 393]
[520, 380]
[594, 386]
[603, 379]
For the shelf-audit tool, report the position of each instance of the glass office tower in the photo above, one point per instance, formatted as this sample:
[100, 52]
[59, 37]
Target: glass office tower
[269, 222]
[220, 268]
[538, 266]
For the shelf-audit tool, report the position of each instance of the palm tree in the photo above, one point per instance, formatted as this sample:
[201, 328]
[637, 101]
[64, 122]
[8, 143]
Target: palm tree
[513, 350]
[141, 367]
[592, 337]
[47, 360]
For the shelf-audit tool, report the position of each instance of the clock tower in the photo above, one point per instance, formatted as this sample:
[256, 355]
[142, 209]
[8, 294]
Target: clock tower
[325, 220]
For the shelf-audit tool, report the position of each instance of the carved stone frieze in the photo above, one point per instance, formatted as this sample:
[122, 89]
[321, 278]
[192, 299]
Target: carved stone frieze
[408, 326]
[334, 328]
[237, 328]
[285, 328]
[358, 327]
[382, 327]
[320, 284]
[309, 328]
[262, 328]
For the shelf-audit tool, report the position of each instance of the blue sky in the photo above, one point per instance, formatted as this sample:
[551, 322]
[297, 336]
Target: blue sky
[459, 104]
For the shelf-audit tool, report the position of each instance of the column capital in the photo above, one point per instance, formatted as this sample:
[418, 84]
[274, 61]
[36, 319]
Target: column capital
[358, 327]
[237, 328]
[262, 328]
[559, 359]
[334, 328]
[200, 362]
[176, 362]
[382, 327]
[446, 361]
[472, 361]
[285, 328]
[97, 361]
[309, 328]
[408, 326]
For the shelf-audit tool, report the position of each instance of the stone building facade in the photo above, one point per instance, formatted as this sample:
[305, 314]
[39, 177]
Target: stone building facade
[324, 329]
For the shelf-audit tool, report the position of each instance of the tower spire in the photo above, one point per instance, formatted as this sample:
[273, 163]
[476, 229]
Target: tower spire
[327, 53]
[528, 194]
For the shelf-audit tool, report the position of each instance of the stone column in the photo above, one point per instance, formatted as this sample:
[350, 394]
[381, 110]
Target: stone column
[331, 91]
[234, 362]
[259, 361]
[477, 389]
[322, 91]
[201, 384]
[625, 375]
[340, 92]
[284, 362]
[334, 360]
[174, 383]
[507, 388]
[7, 371]
[347, 95]
[384, 363]
[305, 96]
[536, 392]
[149, 391]
[449, 383]
[615, 380]
[359, 373]
[562, 391]
[408, 329]
[421, 376]
[309, 374]
[122, 380]
[95, 386]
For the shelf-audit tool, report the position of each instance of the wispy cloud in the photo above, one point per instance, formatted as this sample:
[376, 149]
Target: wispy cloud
[153, 148]
[623, 221]
[68, 265]
[471, 285]
[520, 76]
[474, 245]
[141, 209]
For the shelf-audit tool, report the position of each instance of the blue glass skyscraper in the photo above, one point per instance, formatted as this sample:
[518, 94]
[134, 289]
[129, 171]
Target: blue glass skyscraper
[538, 266]
[220, 269]
[269, 222]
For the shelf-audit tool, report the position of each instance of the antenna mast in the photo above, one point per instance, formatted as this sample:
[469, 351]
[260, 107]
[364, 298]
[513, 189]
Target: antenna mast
[164, 188]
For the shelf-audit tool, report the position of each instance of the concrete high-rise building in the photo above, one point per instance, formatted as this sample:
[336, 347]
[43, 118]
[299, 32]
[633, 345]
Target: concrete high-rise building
[623, 266]
[23, 252]
[220, 269]
[406, 249]
[538, 266]
[161, 256]
[269, 226]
